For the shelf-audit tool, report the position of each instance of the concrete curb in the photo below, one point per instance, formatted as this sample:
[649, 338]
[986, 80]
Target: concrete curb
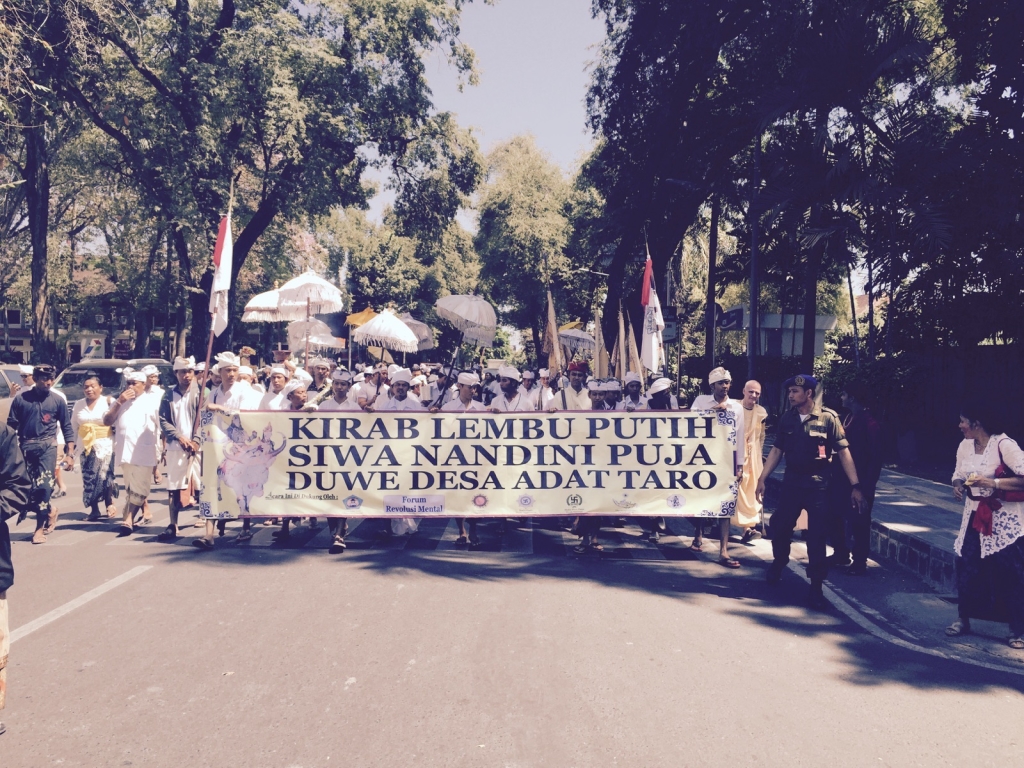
[932, 563]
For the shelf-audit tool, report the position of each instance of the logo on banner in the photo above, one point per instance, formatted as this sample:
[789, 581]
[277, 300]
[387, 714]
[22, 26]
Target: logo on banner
[574, 501]
[526, 501]
[352, 502]
[675, 501]
[413, 506]
[479, 501]
[624, 502]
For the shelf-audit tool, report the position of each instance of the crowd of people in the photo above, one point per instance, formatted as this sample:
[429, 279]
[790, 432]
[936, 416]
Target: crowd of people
[832, 460]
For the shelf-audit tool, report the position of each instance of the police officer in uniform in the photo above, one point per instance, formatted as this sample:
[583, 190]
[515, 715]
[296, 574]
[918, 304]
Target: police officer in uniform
[808, 435]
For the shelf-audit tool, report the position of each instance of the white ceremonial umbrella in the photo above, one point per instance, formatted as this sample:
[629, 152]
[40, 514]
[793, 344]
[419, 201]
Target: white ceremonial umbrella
[302, 332]
[263, 308]
[466, 312]
[320, 341]
[307, 295]
[423, 332]
[386, 330]
[470, 314]
[575, 340]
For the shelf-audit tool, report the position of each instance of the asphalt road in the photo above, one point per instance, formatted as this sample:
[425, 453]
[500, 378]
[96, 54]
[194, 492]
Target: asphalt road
[414, 652]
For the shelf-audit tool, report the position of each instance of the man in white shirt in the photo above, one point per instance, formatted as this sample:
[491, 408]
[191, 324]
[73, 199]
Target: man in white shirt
[547, 392]
[531, 389]
[274, 399]
[135, 416]
[400, 399]
[574, 397]
[231, 395]
[178, 408]
[633, 400]
[510, 396]
[463, 403]
[374, 391]
[720, 381]
[341, 384]
[443, 391]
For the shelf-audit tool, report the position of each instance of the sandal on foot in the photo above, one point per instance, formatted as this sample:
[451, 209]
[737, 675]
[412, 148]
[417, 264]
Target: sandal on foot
[958, 627]
[124, 530]
[1017, 643]
[580, 549]
[461, 540]
[697, 545]
[170, 534]
[728, 562]
[202, 543]
[245, 535]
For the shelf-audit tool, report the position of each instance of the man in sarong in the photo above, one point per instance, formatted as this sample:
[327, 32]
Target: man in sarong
[178, 411]
[720, 380]
[135, 416]
[341, 383]
[36, 414]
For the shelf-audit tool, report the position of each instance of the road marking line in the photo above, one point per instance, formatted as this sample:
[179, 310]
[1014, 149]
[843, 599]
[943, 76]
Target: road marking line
[78, 602]
[866, 624]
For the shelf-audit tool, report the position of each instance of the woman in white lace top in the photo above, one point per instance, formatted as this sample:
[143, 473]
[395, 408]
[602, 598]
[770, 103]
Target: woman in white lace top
[990, 547]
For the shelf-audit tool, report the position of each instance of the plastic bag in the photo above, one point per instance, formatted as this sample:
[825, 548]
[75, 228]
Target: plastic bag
[403, 525]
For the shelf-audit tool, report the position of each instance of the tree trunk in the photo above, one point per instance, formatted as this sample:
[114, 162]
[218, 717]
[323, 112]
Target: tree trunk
[814, 259]
[37, 198]
[709, 309]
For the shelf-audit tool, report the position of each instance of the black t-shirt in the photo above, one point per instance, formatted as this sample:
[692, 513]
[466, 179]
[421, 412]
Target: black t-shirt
[36, 413]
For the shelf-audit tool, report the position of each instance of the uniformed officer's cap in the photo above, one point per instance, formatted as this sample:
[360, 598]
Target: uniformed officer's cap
[804, 380]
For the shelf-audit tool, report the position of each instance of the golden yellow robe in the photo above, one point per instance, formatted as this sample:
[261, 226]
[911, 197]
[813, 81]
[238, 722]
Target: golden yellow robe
[748, 508]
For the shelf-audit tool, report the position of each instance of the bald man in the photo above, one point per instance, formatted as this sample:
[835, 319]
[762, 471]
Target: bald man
[748, 508]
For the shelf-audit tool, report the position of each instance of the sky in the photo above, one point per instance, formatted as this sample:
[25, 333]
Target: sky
[533, 57]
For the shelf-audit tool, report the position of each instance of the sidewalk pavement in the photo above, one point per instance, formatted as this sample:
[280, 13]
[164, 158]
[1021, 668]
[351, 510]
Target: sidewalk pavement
[914, 523]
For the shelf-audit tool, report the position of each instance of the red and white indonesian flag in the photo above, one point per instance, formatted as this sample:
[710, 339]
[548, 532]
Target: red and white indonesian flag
[221, 277]
[652, 350]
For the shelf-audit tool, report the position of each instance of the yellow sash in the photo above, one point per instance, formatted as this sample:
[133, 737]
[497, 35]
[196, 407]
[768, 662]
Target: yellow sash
[90, 432]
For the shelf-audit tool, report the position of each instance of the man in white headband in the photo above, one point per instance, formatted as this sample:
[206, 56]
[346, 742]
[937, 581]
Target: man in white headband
[547, 390]
[467, 384]
[720, 380]
[374, 391]
[510, 397]
[153, 379]
[633, 400]
[320, 388]
[341, 384]
[274, 399]
[230, 396]
[595, 391]
[530, 389]
[400, 399]
[178, 414]
[135, 416]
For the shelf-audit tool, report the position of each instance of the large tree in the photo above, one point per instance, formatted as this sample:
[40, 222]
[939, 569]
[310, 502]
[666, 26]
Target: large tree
[524, 229]
[290, 101]
[684, 91]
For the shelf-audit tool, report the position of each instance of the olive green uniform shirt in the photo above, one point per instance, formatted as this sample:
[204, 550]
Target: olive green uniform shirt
[809, 445]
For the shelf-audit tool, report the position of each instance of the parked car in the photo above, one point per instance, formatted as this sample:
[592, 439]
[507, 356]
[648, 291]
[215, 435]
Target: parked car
[71, 379]
[10, 382]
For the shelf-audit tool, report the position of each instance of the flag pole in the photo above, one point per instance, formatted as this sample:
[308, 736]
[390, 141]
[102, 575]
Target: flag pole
[209, 343]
